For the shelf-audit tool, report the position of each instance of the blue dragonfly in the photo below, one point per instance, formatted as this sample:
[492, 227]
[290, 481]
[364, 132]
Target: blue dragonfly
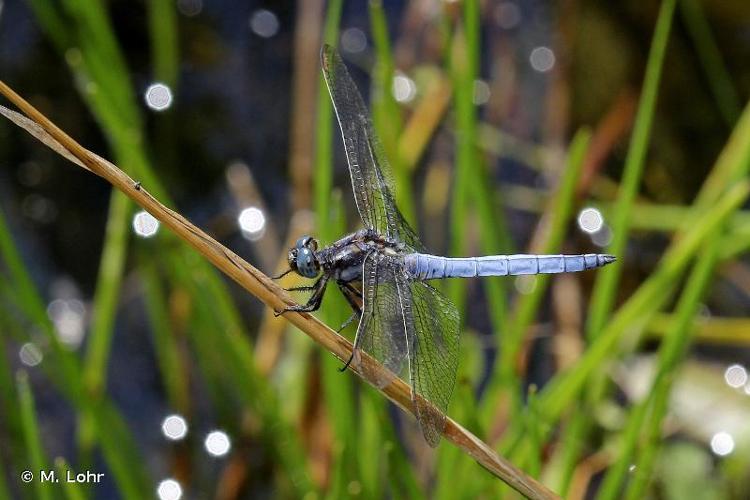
[383, 270]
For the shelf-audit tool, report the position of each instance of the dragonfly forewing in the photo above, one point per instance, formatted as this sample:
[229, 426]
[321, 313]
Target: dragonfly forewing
[368, 166]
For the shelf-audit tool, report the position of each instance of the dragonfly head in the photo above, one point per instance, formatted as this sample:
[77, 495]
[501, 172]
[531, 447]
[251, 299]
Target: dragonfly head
[302, 258]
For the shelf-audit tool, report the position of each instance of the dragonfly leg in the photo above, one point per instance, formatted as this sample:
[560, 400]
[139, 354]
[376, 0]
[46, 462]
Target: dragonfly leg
[352, 290]
[347, 322]
[279, 276]
[350, 294]
[300, 288]
[313, 304]
[355, 354]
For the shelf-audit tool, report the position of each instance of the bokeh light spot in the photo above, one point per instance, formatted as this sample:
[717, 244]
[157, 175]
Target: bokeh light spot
[590, 220]
[722, 443]
[507, 15]
[158, 97]
[404, 88]
[264, 23]
[542, 59]
[69, 318]
[353, 40]
[169, 489]
[145, 225]
[30, 354]
[735, 376]
[174, 427]
[252, 221]
[217, 443]
[603, 237]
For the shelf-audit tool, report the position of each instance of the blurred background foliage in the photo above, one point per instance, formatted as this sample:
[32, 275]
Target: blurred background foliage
[503, 121]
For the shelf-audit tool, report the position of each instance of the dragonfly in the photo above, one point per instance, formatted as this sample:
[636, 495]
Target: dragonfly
[384, 270]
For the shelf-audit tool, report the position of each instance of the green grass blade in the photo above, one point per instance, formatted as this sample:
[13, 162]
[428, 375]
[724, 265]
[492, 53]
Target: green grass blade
[165, 63]
[323, 178]
[710, 58]
[531, 420]
[338, 482]
[119, 450]
[668, 218]
[386, 113]
[672, 350]
[173, 372]
[52, 18]
[494, 239]
[31, 304]
[72, 490]
[107, 293]
[464, 68]
[35, 452]
[400, 472]
[731, 167]
[371, 437]
[4, 491]
[10, 424]
[455, 471]
[19, 278]
[162, 17]
[605, 288]
[338, 387]
[560, 468]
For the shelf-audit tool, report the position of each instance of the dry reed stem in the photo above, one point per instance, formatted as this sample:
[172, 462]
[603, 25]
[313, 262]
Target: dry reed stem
[262, 287]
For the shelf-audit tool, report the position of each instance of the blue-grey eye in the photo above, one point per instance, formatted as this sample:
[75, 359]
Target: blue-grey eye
[302, 242]
[302, 257]
[307, 265]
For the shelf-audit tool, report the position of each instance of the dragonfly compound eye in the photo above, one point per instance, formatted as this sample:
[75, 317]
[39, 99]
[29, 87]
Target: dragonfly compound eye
[307, 264]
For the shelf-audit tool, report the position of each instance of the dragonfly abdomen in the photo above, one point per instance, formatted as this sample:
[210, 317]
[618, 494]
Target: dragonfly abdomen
[426, 267]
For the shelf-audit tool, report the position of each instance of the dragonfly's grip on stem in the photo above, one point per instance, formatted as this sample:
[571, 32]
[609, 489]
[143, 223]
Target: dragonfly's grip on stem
[426, 267]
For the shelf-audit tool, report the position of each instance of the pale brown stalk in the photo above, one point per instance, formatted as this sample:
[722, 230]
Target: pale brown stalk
[263, 288]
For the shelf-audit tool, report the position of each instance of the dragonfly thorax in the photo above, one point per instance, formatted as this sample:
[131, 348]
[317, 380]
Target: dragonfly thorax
[302, 258]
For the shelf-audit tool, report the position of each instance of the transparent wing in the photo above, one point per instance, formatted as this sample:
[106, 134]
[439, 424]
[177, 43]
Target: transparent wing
[381, 329]
[368, 167]
[433, 332]
[403, 318]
